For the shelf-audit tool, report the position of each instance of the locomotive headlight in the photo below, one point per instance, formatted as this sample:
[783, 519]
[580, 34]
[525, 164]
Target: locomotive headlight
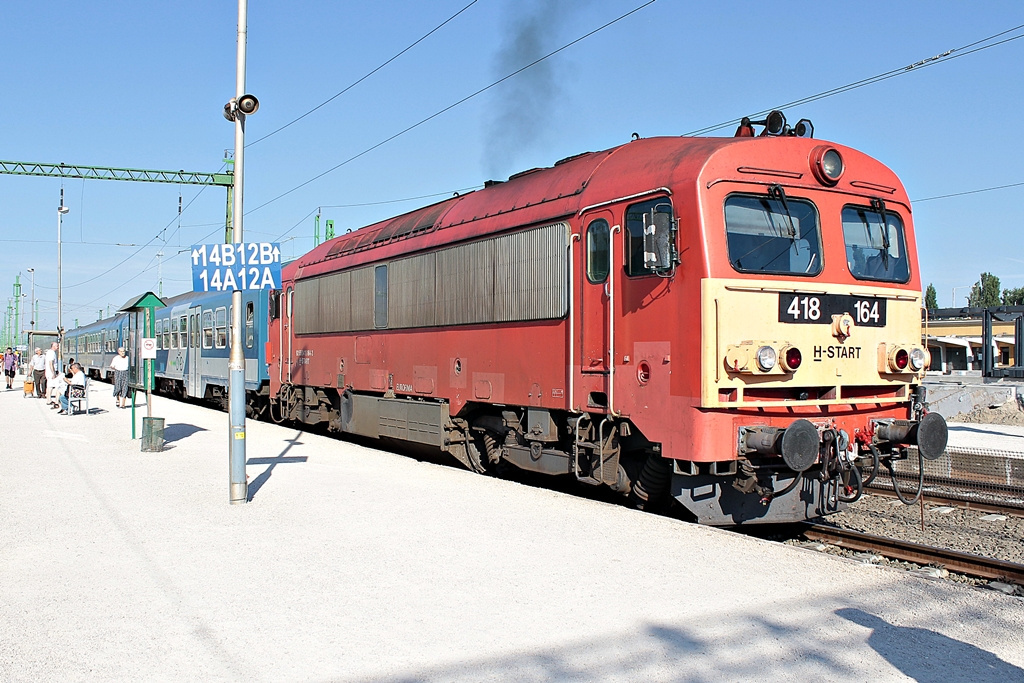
[827, 165]
[766, 358]
[917, 359]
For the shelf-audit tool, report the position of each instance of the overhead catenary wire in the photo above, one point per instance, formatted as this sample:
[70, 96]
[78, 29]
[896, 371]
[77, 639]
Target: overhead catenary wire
[139, 250]
[363, 78]
[942, 58]
[966, 192]
[452, 106]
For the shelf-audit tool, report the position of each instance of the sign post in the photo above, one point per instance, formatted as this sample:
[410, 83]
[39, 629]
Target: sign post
[141, 345]
[233, 268]
[237, 108]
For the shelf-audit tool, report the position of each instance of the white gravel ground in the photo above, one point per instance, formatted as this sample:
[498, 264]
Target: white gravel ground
[355, 565]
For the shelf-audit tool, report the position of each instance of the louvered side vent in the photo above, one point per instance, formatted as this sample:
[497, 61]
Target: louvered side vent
[530, 275]
[512, 278]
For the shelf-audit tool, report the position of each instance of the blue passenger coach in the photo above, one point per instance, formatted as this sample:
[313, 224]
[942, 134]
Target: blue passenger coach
[95, 345]
[193, 337]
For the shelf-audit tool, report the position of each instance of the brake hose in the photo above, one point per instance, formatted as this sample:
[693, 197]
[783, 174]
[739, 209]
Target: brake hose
[920, 479]
[875, 458]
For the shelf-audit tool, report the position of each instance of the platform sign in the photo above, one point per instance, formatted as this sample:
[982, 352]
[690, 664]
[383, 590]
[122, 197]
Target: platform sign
[227, 267]
[148, 349]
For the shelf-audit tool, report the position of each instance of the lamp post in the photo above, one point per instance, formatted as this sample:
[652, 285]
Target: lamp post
[61, 210]
[237, 108]
[954, 292]
[32, 302]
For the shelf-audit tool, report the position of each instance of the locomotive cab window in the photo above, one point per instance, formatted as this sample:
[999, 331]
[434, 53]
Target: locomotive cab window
[649, 222]
[875, 247]
[275, 304]
[598, 251]
[772, 234]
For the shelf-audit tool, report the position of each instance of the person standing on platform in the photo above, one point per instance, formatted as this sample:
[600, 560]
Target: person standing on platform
[119, 365]
[37, 364]
[10, 363]
[51, 374]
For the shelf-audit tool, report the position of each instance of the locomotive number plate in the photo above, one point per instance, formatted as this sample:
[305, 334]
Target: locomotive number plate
[867, 311]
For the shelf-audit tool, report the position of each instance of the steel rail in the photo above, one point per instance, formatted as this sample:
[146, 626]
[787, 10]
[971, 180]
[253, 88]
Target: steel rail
[957, 500]
[963, 563]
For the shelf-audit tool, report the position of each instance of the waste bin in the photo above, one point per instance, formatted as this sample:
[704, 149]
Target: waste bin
[152, 434]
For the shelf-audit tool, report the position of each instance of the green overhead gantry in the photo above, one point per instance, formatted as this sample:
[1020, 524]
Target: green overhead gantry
[31, 168]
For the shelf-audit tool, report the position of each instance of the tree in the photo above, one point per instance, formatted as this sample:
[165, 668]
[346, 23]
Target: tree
[931, 299]
[985, 292]
[1013, 297]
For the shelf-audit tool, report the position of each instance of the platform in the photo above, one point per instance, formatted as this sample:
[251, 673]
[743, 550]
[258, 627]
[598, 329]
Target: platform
[1008, 438]
[351, 564]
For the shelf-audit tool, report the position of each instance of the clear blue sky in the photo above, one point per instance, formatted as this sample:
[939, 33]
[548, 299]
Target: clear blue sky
[142, 85]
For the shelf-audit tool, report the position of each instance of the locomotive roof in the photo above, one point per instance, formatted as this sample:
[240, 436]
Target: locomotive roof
[538, 196]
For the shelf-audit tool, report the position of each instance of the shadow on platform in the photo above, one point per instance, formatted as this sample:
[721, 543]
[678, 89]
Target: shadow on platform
[688, 654]
[280, 459]
[178, 431]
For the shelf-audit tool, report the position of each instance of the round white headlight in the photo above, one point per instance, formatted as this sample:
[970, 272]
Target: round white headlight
[766, 358]
[827, 165]
[917, 359]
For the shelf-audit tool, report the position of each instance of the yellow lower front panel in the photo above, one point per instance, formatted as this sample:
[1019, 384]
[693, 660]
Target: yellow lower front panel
[848, 339]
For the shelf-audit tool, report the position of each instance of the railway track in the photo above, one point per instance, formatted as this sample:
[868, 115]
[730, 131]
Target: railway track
[952, 560]
[959, 500]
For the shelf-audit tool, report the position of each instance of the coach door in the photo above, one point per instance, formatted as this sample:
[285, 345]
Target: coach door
[193, 375]
[596, 281]
[286, 337]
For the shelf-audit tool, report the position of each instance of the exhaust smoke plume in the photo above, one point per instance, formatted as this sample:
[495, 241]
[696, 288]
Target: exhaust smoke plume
[522, 110]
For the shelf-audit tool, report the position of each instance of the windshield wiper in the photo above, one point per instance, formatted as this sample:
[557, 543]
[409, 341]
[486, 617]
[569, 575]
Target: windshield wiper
[879, 205]
[776, 192]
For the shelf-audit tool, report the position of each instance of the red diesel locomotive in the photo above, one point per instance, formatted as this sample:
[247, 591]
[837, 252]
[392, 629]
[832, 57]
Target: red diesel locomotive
[728, 325]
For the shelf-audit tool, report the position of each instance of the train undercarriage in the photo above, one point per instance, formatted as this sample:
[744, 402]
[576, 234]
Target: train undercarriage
[779, 475]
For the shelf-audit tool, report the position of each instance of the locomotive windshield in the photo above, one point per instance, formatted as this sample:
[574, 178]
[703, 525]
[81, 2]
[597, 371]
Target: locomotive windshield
[772, 235]
[875, 248]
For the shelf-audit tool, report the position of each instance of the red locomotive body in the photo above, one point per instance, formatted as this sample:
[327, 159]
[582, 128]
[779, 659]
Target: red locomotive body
[729, 323]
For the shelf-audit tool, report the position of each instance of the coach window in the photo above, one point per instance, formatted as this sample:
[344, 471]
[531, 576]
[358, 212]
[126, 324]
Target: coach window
[776, 234]
[183, 332]
[633, 238]
[875, 247]
[250, 319]
[598, 251]
[167, 334]
[380, 296]
[221, 332]
[207, 329]
[193, 325]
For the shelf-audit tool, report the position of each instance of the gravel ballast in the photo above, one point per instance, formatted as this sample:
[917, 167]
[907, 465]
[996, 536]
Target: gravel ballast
[351, 564]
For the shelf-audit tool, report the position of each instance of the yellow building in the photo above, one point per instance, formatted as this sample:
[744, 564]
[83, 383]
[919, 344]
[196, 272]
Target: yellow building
[956, 343]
